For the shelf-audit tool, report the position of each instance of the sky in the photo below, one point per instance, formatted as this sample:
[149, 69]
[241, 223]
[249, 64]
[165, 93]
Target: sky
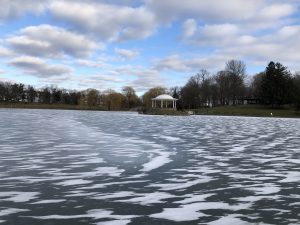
[108, 44]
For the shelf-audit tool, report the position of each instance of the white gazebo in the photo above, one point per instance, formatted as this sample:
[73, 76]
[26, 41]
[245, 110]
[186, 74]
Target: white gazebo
[163, 101]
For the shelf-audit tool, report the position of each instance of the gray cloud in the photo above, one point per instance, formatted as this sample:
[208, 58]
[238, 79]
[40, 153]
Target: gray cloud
[213, 10]
[38, 67]
[12, 9]
[51, 41]
[106, 21]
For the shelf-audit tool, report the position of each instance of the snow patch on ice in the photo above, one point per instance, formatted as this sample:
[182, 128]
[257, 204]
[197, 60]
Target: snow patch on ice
[10, 211]
[74, 182]
[191, 211]
[229, 220]
[157, 162]
[18, 196]
[264, 190]
[94, 213]
[178, 186]
[149, 198]
[170, 138]
[183, 213]
[115, 222]
[194, 198]
[49, 201]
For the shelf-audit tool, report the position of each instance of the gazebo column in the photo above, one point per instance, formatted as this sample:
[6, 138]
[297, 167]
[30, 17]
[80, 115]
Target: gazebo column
[152, 103]
[161, 103]
[173, 104]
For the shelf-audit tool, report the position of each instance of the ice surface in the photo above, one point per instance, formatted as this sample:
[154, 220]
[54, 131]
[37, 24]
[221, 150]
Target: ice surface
[74, 167]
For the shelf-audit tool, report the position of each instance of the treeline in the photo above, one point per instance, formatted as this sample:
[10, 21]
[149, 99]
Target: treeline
[106, 100]
[274, 87]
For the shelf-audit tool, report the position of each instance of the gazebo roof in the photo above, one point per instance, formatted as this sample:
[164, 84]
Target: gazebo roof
[164, 97]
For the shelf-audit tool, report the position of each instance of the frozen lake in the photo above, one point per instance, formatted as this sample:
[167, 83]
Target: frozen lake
[78, 167]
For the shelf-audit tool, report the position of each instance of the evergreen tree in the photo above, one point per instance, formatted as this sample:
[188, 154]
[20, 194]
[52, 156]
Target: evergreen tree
[275, 85]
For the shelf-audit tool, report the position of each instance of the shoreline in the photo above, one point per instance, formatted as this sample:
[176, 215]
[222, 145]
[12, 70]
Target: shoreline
[239, 110]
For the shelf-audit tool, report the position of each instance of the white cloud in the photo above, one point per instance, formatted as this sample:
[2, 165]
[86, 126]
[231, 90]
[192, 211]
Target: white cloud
[191, 64]
[276, 11]
[281, 45]
[66, 80]
[271, 16]
[172, 62]
[91, 63]
[140, 78]
[106, 21]
[100, 81]
[3, 79]
[126, 53]
[99, 78]
[216, 35]
[52, 41]
[223, 19]
[147, 79]
[189, 28]
[4, 52]
[38, 67]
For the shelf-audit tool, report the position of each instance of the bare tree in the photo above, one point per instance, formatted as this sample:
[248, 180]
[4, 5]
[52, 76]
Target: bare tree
[130, 95]
[237, 74]
[222, 80]
[203, 74]
[236, 67]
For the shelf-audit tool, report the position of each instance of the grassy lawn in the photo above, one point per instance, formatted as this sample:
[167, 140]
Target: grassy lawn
[249, 110]
[169, 112]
